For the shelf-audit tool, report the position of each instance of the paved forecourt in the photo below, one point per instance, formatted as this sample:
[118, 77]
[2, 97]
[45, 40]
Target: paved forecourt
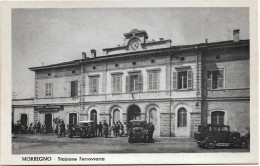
[43, 144]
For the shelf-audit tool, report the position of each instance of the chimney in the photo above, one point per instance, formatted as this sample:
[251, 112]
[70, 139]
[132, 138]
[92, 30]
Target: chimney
[236, 35]
[84, 55]
[93, 53]
[161, 39]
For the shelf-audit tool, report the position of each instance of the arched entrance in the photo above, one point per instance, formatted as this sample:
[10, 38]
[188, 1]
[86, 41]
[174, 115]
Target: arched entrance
[116, 115]
[133, 113]
[152, 115]
[182, 120]
[93, 116]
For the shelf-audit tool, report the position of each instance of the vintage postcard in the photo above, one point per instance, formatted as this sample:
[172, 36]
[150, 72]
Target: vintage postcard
[134, 82]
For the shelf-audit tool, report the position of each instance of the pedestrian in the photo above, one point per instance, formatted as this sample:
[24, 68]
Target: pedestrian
[39, 127]
[30, 130]
[121, 129]
[96, 127]
[113, 129]
[125, 129]
[105, 128]
[117, 129]
[62, 128]
[152, 130]
[100, 127]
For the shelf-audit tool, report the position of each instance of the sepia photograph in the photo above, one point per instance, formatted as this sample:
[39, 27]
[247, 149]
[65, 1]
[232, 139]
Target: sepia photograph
[129, 80]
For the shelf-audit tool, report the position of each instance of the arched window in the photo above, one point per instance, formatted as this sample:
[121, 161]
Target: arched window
[93, 116]
[217, 117]
[182, 117]
[116, 115]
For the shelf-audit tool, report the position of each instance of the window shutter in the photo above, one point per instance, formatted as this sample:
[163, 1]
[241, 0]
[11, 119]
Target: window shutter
[118, 84]
[209, 79]
[140, 82]
[127, 83]
[74, 88]
[114, 84]
[150, 86]
[189, 72]
[71, 88]
[155, 79]
[221, 79]
[77, 87]
[174, 81]
[46, 89]
[91, 85]
[51, 89]
[96, 85]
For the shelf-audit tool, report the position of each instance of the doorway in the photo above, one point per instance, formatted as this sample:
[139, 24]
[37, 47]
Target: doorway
[133, 113]
[48, 120]
[93, 116]
[24, 119]
[73, 118]
[116, 115]
[153, 118]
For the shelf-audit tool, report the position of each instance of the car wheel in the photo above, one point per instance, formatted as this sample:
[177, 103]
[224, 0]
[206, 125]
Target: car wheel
[70, 135]
[211, 144]
[244, 144]
[146, 139]
[130, 140]
[200, 145]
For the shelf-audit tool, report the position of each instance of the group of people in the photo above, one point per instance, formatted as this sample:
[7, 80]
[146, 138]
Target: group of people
[102, 129]
[118, 129]
[60, 129]
[18, 128]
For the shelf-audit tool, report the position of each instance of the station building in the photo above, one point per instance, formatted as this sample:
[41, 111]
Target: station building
[175, 87]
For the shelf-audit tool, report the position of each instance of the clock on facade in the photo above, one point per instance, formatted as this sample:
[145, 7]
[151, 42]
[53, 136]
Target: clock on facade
[134, 44]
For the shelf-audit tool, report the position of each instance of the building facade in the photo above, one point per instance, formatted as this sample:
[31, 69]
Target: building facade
[175, 87]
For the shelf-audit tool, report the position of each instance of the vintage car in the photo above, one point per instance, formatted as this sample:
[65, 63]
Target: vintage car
[139, 132]
[83, 129]
[210, 136]
[245, 141]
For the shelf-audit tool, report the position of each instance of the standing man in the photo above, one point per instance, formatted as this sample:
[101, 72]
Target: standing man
[100, 128]
[62, 128]
[152, 130]
[125, 129]
[105, 127]
[113, 128]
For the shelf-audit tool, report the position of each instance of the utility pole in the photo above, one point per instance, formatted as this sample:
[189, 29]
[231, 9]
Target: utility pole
[82, 84]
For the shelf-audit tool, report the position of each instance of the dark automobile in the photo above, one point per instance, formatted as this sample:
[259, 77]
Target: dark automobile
[83, 129]
[210, 136]
[139, 132]
[245, 141]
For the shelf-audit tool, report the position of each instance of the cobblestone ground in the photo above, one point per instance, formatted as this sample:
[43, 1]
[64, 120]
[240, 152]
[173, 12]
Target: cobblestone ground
[50, 144]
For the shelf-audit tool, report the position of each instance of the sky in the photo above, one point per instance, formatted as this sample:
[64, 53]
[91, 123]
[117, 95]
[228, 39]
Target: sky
[49, 36]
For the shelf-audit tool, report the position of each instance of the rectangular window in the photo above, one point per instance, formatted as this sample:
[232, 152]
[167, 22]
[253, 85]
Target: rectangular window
[217, 117]
[153, 81]
[215, 79]
[134, 83]
[182, 79]
[93, 85]
[116, 83]
[48, 89]
[74, 88]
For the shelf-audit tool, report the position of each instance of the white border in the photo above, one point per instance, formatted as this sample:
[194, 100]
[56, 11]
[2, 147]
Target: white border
[144, 158]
